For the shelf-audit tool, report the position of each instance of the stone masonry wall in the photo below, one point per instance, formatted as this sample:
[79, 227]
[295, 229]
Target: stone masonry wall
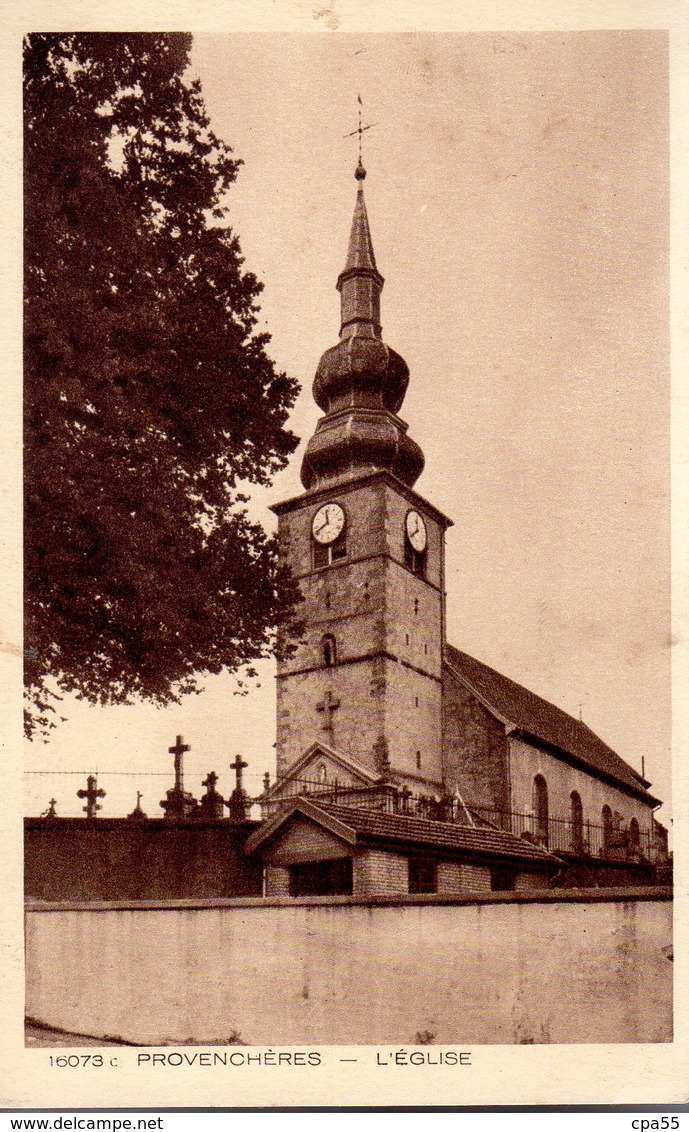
[387, 626]
[117, 859]
[475, 750]
[527, 760]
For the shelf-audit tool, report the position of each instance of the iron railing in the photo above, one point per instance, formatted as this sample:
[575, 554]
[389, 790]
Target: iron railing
[370, 797]
[561, 835]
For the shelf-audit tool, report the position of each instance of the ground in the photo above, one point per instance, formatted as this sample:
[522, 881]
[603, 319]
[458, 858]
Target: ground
[42, 1036]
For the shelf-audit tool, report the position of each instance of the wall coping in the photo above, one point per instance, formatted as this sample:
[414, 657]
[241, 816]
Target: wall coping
[528, 896]
[102, 824]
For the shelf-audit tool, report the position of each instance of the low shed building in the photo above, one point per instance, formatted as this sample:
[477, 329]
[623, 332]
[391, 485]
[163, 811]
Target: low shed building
[319, 849]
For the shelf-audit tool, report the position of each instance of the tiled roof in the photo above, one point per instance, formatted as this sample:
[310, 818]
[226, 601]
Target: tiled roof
[543, 720]
[436, 834]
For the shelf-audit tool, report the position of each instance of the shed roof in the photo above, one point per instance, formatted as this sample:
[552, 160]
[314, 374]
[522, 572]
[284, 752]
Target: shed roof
[358, 825]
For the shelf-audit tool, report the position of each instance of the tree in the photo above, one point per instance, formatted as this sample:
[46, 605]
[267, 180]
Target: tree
[150, 398]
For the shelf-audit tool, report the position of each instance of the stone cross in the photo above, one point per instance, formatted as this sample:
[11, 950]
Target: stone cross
[240, 802]
[51, 812]
[91, 794]
[137, 813]
[238, 766]
[178, 751]
[328, 705]
[212, 803]
[179, 804]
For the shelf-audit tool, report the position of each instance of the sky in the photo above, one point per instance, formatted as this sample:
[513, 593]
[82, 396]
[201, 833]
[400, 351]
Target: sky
[517, 192]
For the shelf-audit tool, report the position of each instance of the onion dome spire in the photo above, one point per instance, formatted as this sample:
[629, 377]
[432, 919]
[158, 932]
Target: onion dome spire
[360, 383]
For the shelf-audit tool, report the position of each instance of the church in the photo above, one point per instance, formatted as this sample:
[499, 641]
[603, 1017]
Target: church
[403, 764]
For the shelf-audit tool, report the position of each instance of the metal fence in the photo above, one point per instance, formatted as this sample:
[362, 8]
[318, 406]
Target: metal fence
[560, 835]
[565, 836]
[371, 797]
[385, 798]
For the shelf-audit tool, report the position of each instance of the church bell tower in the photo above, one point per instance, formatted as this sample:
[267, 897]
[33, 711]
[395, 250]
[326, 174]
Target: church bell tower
[365, 680]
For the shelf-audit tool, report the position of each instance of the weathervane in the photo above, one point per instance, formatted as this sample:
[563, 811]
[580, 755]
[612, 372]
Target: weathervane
[360, 171]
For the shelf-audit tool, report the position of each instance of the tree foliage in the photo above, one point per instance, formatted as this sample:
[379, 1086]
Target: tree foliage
[149, 394]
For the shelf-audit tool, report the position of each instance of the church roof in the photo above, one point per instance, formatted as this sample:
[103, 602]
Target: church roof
[360, 254]
[356, 825]
[537, 717]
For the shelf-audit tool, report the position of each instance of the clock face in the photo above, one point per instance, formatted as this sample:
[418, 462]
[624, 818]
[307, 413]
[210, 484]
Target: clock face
[328, 523]
[416, 531]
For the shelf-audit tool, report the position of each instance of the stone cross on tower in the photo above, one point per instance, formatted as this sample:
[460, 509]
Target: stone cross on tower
[328, 705]
[91, 794]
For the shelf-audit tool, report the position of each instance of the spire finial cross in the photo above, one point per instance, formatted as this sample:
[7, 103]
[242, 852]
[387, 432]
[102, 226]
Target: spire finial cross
[360, 171]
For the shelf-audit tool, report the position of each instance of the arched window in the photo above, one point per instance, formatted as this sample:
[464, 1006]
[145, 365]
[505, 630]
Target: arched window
[540, 808]
[607, 826]
[634, 835]
[577, 820]
[329, 650]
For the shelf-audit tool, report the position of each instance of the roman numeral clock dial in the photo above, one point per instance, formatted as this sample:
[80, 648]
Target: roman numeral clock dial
[328, 523]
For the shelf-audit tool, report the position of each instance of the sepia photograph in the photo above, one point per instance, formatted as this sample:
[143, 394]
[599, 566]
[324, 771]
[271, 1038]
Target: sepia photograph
[347, 543]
